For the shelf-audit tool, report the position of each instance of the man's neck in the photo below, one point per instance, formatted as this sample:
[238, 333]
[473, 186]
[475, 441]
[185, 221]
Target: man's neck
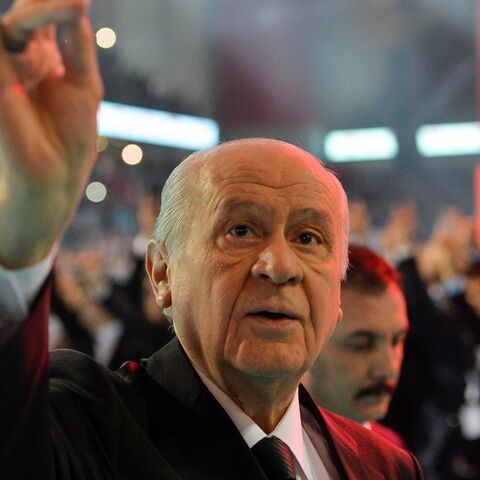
[265, 406]
[264, 400]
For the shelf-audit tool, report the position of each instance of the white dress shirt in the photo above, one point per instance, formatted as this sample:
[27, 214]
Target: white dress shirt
[309, 464]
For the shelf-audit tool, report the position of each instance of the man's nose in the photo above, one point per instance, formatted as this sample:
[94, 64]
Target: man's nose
[278, 263]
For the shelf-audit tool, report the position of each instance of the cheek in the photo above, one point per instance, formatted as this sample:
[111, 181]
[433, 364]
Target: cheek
[187, 280]
[223, 279]
[324, 313]
[358, 370]
[352, 369]
[345, 379]
[339, 378]
[399, 361]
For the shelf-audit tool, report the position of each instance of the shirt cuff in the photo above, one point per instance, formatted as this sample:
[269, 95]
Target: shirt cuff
[18, 289]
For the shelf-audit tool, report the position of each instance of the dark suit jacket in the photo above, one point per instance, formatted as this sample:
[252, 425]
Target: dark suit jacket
[151, 420]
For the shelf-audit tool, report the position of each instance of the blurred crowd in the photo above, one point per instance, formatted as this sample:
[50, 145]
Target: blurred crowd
[104, 307]
[108, 311]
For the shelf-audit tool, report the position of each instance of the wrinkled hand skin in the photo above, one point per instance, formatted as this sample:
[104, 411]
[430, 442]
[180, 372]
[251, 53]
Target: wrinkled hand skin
[49, 96]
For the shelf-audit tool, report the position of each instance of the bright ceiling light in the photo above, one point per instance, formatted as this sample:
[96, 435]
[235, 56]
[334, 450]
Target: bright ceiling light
[449, 139]
[157, 127]
[360, 145]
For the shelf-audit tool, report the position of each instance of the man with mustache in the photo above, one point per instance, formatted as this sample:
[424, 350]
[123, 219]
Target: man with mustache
[357, 371]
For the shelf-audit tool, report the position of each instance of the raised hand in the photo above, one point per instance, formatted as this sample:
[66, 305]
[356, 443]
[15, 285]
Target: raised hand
[49, 96]
[400, 228]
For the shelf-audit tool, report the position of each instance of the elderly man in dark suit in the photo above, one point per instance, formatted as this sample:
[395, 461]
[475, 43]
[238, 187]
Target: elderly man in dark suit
[248, 252]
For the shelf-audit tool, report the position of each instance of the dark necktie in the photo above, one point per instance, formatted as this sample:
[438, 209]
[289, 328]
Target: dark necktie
[276, 458]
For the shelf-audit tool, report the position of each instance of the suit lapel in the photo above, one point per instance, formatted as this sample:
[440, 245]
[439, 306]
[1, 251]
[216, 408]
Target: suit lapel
[187, 424]
[198, 438]
[343, 447]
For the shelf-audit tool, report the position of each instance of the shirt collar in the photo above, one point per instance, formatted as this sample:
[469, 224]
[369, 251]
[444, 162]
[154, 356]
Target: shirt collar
[289, 429]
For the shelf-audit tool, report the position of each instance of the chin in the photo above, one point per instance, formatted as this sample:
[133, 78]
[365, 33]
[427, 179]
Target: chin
[376, 415]
[270, 361]
[270, 368]
[270, 371]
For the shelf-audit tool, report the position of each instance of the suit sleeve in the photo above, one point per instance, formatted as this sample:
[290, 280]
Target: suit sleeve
[419, 475]
[25, 450]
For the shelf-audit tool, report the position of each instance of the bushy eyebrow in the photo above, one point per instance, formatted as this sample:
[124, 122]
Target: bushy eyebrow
[308, 216]
[314, 217]
[233, 207]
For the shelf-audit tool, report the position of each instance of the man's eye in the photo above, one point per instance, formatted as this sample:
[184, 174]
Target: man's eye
[307, 238]
[361, 344]
[361, 347]
[239, 231]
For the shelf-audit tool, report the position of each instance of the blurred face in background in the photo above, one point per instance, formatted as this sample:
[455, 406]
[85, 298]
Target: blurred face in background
[357, 371]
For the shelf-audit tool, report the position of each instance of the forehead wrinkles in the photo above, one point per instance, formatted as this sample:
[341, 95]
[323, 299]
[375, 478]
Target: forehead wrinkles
[273, 168]
[232, 174]
[299, 197]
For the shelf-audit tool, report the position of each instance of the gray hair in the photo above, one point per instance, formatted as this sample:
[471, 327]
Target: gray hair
[178, 201]
[177, 204]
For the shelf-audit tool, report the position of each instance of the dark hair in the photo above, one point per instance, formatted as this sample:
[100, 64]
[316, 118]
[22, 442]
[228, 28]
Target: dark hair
[369, 272]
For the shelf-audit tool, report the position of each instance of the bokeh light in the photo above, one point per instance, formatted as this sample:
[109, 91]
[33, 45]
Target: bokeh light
[96, 192]
[106, 37]
[132, 154]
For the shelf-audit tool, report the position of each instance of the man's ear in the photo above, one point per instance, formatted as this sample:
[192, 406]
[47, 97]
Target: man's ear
[156, 265]
[340, 315]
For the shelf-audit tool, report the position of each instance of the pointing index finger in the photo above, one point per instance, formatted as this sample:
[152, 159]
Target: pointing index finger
[76, 39]
[77, 47]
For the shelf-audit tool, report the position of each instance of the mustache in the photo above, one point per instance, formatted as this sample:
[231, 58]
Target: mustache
[381, 388]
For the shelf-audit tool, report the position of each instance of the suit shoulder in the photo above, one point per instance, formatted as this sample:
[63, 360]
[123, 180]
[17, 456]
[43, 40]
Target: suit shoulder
[79, 370]
[78, 379]
[372, 448]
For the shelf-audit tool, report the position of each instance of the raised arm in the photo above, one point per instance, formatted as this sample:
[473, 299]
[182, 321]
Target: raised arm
[49, 95]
